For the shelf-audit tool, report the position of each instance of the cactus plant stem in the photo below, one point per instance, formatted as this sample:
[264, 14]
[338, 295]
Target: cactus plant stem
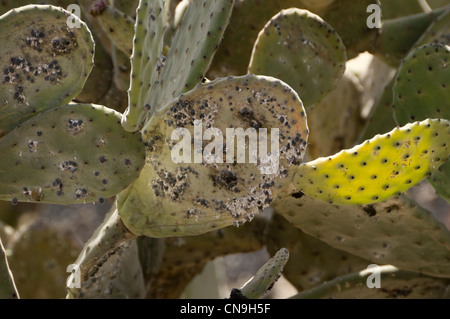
[107, 239]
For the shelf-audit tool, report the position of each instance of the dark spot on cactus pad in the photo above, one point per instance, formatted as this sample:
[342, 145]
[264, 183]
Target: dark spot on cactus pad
[297, 195]
[102, 159]
[370, 210]
[64, 44]
[226, 179]
[169, 184]
[14, 201]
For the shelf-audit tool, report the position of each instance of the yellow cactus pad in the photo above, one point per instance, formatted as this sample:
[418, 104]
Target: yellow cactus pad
[381, 167]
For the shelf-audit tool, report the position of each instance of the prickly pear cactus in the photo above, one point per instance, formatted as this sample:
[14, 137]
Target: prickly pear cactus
[398, 36]
[352, 29]
[380, 168]
[394, 284]
[438, 31]
[301, 49]
[69, 154]
[421, 91]
[180, 200]
[177, 173]
[395, 231]
[265, 277]
[46, 64]
[157, 78]
[117, 25]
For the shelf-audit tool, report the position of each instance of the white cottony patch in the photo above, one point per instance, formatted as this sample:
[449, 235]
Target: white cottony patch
[236, 148]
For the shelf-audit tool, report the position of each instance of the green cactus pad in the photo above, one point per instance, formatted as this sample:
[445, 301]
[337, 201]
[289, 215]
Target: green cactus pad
[441, 181]
[193, 198]
[422, 91]
[70, 154]
[266, 276]
[349, 19]
[146, 60]
[400, 35]
[393, 232]
[379, 168]
[438, 31]
[117, 25]
[301, 49]
[119, 277]
[248, 18]
[44, 63]
[399, 8]
[422, 86]
[198, 35]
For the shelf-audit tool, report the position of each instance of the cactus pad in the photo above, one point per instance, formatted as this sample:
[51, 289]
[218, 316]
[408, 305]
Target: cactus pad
[400, 35]
[349, 19]
[395, 232]
[266, 276]
[117, 25]
[438, 31]
[301, 49]
[163, 77]
[70, 154]
[45, 64]
[379, 168]
[421, 91]
[422, 86]
[196, 197]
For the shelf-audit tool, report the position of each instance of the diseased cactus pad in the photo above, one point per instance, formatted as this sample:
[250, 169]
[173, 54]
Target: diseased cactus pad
[199, 193]
[379, 168]
[70, 154]
[396, 231]
[301, 49]
[43, 62]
